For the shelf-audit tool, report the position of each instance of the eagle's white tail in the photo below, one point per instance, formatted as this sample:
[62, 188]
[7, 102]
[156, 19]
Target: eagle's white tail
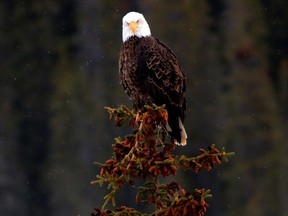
[183, 133]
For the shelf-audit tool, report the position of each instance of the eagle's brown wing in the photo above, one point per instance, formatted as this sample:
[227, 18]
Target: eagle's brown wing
[162, 74]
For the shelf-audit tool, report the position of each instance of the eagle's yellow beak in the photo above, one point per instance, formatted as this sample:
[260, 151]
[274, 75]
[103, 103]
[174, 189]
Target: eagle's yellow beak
[133, 26]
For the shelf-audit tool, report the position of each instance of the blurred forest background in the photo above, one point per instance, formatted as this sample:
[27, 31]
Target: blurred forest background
[59, 68]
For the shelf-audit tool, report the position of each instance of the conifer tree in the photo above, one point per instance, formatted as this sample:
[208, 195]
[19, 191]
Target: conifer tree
[148, 154]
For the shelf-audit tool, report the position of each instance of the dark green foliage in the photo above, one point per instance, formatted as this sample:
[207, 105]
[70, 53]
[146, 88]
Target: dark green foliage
[59, 68]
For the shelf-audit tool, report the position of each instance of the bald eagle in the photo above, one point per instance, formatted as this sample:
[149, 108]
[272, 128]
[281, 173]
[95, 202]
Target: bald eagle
[150, 73]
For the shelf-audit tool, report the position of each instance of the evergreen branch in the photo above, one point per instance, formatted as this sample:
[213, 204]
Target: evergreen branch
[146, 155]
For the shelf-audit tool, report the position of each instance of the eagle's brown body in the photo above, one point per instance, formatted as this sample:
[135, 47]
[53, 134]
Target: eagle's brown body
[150, 73]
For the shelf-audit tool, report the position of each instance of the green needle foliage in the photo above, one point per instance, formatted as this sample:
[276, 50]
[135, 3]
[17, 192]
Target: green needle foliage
[146, 154]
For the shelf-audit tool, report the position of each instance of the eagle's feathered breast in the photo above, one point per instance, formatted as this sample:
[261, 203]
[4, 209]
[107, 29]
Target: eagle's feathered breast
[129, 72]
[150, 73]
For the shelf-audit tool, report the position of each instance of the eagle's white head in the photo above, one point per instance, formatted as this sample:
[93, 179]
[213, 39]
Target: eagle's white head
[134, 23]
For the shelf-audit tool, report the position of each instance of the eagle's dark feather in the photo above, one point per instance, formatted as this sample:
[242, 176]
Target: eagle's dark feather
[150, 73]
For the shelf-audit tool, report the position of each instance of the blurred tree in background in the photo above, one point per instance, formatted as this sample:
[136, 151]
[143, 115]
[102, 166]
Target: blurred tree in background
[59, 68]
